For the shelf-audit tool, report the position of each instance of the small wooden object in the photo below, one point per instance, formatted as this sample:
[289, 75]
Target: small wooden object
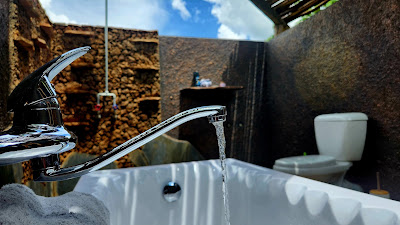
[379, 192]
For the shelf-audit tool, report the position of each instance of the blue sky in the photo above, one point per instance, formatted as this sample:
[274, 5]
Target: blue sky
[225, 19]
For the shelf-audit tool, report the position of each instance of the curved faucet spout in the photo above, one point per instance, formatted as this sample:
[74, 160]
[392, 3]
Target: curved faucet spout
[47, 168]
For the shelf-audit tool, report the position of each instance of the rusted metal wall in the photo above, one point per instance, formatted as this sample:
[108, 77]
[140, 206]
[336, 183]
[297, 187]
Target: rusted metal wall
[344, 59]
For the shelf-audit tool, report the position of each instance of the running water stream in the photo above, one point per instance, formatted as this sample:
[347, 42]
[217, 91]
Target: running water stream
[219, 127]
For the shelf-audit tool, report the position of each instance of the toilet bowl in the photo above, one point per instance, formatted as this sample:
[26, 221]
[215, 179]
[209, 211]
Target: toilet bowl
[317, 167]
[340, 140]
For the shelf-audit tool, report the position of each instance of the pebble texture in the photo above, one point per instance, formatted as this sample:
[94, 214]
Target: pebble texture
[20, 205]
[344, 59]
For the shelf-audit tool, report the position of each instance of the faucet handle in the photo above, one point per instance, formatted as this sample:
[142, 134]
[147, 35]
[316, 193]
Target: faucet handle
[64, 60]
[36, 86]
[38, 129]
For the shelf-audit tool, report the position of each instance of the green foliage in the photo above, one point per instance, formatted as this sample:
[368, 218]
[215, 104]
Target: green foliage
[305, 17]
[270, 38]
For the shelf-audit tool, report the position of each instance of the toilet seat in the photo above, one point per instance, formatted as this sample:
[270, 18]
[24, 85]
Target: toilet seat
[310, 165]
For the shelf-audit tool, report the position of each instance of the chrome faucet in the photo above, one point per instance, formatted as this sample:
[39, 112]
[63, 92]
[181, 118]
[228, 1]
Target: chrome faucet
[38, 133]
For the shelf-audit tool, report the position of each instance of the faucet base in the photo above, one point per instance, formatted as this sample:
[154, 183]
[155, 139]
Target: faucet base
[41, 165]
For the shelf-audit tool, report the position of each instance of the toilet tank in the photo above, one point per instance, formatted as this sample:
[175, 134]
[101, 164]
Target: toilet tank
[341, 135]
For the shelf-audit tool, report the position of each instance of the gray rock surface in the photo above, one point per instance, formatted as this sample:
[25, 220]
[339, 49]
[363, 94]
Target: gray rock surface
[20, 205]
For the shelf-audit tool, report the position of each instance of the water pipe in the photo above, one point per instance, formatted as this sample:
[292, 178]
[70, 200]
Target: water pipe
[106, 93]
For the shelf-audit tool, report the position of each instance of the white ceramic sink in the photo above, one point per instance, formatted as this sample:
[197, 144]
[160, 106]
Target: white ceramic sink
[257, 195]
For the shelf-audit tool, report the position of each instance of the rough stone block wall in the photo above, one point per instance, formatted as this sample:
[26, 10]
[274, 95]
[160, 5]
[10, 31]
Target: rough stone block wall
[29, 43]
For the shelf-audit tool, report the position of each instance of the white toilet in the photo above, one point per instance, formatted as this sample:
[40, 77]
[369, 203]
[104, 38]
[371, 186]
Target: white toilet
[340, 140]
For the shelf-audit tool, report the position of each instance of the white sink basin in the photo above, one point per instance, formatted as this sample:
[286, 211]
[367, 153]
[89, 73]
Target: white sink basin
[257, 195]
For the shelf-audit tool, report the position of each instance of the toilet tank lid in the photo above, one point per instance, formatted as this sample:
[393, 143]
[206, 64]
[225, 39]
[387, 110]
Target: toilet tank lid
[351, 116]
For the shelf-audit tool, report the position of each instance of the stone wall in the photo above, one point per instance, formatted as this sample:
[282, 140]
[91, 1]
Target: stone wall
[30, 36]
[180, 57]
[344, 59]
[4, 62]
[133, 77]
[237, 63]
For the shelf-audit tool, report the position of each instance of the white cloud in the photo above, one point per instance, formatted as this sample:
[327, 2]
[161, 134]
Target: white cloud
[138, 14]
[45, 3]
[196, 17]
[225, 32]
[59, 18]
[241, 19]
[180, 5]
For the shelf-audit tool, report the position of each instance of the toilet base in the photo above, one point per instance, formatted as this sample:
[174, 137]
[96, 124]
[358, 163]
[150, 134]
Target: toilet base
[352, 186]
[317, 167]
[337, 180]
[334, 179]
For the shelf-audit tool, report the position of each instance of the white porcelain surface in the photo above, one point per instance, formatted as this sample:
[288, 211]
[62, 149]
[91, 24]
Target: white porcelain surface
[306, 161]
[317, 167]
[351, 116]
[257, 195]
[344, 140]
[337, 167]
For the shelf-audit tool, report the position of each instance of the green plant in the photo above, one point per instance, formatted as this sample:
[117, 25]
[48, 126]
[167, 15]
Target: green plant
[270, 38]
[323, 7]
